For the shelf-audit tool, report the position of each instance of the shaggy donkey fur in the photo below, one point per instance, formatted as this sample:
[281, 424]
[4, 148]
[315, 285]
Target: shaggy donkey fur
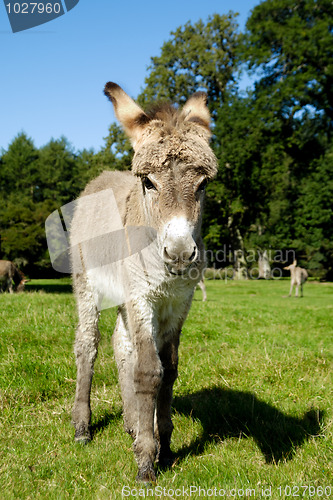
[147, 257]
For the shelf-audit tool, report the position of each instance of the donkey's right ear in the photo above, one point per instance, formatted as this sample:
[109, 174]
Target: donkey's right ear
[130, 115]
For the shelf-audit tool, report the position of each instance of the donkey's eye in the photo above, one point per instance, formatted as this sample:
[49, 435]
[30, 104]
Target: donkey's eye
[147, 184]
[202, 186]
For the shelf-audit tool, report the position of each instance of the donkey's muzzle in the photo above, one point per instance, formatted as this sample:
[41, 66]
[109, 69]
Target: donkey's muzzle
[179, 250]
[184, 257]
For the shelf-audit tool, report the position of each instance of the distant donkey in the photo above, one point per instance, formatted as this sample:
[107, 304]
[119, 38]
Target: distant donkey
[148, 259]
[14, 279]
[298, 276]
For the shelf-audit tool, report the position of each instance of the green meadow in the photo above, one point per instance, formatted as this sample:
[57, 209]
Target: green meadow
[252, 405]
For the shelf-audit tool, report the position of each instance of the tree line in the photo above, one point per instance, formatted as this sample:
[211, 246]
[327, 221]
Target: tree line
[274, 188]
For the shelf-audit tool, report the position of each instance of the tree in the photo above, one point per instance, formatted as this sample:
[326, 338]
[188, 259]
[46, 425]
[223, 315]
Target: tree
[58, 175]
[198, 56]
[18, 169]
[313, 221]
[33, 184]
[289, 44]
[274, 140]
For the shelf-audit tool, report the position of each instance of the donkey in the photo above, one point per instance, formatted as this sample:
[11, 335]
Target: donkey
[10, 273]
[147, 257]
[298, 276]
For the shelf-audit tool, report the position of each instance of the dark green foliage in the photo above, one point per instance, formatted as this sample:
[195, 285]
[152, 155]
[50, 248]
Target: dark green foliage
[273, 143]
[290, 45]
[313, 215]
[34, 183]
[57, 172]
[18, 166]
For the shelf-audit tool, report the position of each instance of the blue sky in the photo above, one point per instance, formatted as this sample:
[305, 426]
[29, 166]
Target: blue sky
[52, 76]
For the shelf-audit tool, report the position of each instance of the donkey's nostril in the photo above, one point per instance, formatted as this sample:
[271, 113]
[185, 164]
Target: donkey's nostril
[193, 255]
[167, 257]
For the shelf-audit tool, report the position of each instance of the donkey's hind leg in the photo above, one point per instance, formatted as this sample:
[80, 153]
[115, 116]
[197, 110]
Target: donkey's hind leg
[86, 345]
[123, 352]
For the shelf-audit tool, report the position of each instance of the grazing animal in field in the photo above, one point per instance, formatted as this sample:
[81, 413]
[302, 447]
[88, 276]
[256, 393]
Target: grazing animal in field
[14, 278]
[298, 277]
[147, 256]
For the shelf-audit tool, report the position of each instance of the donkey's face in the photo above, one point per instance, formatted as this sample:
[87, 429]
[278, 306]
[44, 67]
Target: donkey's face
[21, 285]
[174, 162]
[173, 203]
[291, 267]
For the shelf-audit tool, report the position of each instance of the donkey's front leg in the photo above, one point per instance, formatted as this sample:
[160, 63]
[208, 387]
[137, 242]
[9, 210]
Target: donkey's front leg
[291, 288]
[147, 379]
[169, 359]
[86, 345]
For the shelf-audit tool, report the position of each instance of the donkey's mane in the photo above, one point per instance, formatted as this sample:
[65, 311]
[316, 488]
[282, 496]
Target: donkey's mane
[165, 112]
[170, 115]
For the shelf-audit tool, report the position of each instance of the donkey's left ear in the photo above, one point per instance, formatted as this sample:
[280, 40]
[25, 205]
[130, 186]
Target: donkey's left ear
[195, 110]
[130, 115]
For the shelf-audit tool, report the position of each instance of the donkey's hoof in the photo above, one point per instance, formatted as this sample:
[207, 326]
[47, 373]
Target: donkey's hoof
[83, 440]
[82, 435]
[146, 475]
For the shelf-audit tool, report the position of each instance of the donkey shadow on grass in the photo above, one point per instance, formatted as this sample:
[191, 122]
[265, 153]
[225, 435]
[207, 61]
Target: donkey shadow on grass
[104, 420]
[225, 413]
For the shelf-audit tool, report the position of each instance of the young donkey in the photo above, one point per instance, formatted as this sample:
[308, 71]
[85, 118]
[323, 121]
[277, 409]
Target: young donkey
[146, 256]
[298, 276]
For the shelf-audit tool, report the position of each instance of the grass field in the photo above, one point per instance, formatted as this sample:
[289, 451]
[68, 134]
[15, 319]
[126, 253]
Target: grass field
[252, 408]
